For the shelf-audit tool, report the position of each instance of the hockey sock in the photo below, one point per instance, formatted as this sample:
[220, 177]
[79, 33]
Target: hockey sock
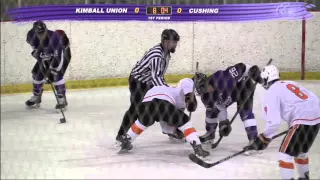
[286, 166]
[37, 88]
[136, 129]
[190, 133]
[211, 124]
[302, 164]
[251, 128]
[252, 132]
[60, 87]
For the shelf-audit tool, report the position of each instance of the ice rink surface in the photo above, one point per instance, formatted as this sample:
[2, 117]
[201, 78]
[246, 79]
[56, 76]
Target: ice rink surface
[35, 145]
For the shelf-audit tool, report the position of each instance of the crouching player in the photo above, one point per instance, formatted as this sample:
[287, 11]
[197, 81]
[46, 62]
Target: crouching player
[162, 103]
[222, 89]
[52, 52]
[300, 108]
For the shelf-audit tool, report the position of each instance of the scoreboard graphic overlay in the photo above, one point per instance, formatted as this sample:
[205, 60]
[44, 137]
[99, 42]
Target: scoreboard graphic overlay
[116, 12]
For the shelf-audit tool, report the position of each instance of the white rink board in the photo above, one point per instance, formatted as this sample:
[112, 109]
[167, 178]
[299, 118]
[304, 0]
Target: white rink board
[37, 146]
[110, 49]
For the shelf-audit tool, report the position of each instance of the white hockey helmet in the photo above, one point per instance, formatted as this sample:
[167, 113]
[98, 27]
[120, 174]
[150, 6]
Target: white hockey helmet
[186, 85]
[269, 74]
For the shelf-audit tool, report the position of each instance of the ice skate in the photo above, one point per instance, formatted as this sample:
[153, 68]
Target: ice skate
[118, 139]
[125, 144]
[199, 152]
[252, 151]
[34, 102]
[306, 176]
[208, 137]
[176, 136]
[62, 103]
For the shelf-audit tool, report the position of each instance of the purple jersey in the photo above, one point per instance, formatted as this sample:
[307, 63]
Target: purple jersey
[226, 82]
[50, 51]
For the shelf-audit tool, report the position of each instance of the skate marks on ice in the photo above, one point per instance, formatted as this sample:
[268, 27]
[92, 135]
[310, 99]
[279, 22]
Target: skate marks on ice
[85, 145]
[157, 152]
[13, 108]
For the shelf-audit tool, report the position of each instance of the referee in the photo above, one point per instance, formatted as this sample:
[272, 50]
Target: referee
[148, 72]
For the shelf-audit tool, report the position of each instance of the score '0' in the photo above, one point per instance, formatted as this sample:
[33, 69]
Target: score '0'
[179, 10]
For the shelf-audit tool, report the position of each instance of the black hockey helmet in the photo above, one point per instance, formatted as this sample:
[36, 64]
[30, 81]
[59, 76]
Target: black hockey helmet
[170, 34]
[39, 27]
[200, 83]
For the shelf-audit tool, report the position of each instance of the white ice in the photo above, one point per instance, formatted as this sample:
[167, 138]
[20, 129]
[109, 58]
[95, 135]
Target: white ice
[35, 145]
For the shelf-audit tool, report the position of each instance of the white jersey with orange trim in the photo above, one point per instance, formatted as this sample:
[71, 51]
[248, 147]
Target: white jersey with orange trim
[173, 95]
[289, 101]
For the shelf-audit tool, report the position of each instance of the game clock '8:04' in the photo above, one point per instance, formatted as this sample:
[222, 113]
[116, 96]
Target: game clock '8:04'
[159, 10]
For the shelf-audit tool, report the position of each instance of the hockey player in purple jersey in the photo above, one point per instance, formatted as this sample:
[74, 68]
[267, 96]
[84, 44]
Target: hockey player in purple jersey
[222, 89]
[52, 53]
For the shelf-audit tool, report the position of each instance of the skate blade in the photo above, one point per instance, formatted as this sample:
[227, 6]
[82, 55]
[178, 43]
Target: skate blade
[63, 109]
[208, 142]
[252, 152]
[36, 106]
[122, 151]
[174, 140]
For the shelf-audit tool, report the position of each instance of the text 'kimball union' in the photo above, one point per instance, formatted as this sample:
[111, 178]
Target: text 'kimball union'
[101, 10]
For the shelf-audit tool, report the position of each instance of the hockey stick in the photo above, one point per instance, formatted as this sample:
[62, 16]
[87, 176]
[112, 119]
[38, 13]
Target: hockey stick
[46, 75]
[214, 145]
[200, 162]
[62, 120]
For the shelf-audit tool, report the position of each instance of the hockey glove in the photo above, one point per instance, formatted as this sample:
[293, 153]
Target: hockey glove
[48, 78]
[49, 75]
[260, 143]
[191, 102]
[224, 128]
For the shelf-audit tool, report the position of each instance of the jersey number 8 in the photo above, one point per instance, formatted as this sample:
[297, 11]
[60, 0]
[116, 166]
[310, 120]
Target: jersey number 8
[297, 91]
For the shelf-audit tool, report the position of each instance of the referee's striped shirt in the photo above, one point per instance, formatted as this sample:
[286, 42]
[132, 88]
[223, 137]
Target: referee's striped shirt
[152, 67]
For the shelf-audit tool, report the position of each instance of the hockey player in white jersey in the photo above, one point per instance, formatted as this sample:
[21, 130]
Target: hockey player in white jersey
[162, 103]
[300, 108]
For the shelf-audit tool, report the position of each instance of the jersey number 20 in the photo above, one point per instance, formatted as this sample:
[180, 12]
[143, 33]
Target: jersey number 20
[297, 91]
[234, 73]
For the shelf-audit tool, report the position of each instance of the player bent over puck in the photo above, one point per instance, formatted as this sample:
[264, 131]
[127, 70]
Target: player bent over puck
[163, 103]
[52, 52]
[221, 90]
[300, 108]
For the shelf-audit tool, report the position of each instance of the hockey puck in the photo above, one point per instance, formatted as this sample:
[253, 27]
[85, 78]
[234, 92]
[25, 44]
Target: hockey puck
[63, 120]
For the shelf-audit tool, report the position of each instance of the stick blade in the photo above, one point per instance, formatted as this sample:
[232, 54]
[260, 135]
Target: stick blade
[198, 161]
[63, 120]
[214, 145]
